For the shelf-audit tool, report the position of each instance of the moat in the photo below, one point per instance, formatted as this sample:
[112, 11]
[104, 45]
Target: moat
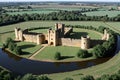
[22, 66]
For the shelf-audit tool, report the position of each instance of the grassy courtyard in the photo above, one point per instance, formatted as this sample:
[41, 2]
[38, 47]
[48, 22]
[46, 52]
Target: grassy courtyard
[77, 33]
[28, 48]
[67, 53]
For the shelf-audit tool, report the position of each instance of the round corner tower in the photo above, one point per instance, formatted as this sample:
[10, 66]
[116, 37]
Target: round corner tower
[85, 42]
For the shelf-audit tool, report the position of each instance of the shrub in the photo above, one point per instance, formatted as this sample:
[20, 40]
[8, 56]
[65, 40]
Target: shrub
[42, 78]
[68, 78]
[99, 51]
[82, 53]
[57, 56]
[105, 77]
[11, 46]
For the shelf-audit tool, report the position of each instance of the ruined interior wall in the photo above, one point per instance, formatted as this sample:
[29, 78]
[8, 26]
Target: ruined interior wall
[30, 38]
[95, 42]
[71, 42]
[68, 30]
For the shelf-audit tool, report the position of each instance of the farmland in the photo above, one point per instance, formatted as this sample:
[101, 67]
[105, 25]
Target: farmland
[32, 11]
[45, 9]
[103, 13]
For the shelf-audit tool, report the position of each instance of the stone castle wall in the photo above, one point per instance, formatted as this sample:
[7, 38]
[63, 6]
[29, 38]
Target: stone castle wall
[71, 42]
[30, 38]
[56, 37]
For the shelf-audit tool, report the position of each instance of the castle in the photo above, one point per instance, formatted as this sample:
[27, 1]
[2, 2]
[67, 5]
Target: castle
[57, 37]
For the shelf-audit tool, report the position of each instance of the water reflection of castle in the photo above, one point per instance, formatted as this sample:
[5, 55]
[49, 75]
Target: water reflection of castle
[57, 37]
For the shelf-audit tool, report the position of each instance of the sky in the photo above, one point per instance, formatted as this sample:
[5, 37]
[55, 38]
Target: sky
[58, 0]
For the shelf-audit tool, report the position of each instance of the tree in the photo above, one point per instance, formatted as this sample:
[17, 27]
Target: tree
[99, 51]
[7, 77]
[101, 29]
[11, 46]
[3, 46]
[105, 77]
[17, 50]
[42, 78]
[8, 40]
[57, 56]
[28, 77]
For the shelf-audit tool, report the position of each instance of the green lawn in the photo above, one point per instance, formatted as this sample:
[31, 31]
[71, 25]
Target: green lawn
[77, 33]
[40, 30]
[28, 48]
[67, 53]
[103, 13]
[109, 67]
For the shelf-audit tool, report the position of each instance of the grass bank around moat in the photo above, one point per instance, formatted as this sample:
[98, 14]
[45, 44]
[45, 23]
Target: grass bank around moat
[109, 67]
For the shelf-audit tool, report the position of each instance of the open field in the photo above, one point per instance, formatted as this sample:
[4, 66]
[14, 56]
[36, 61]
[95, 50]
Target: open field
[40, 9]
[103, 13]
[4, 36]
[109, 67]
[28, 48]
[29, 24]
[57, 6]
[114, 25]
[31, 12]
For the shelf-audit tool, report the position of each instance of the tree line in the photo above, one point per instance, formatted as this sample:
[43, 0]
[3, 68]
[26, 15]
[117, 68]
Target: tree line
[6, 19]
[7, 75]
[12, 46]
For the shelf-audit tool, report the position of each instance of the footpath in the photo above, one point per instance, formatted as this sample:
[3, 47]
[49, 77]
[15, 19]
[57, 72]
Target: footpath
[34, 54]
